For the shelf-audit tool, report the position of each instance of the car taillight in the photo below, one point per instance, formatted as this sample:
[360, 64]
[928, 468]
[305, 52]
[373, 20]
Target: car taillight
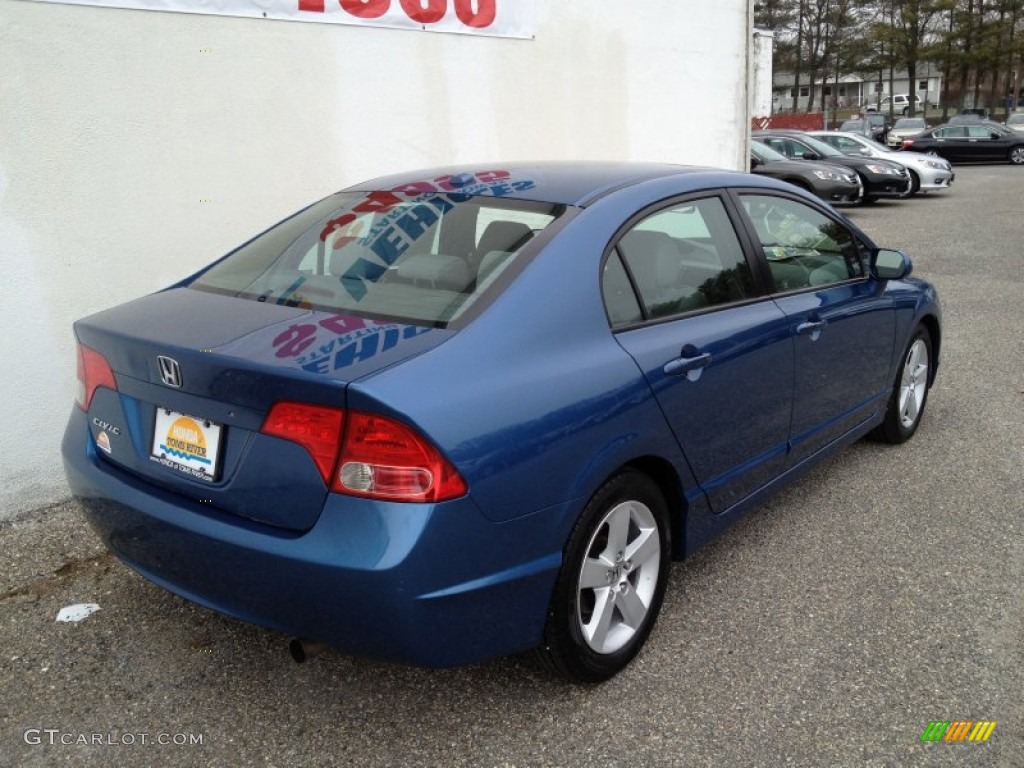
[93, 371]
[384, 459]
[317, 428]
[371, 456]
[907, 142]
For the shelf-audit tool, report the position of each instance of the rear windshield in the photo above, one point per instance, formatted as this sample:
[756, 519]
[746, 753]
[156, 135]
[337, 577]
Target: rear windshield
[422, 258]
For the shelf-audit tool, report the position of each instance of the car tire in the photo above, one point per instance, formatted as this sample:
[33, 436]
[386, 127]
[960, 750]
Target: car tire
[915, 184]
[909, 392]
[611, 583]
[1017, 155]
[865, 198]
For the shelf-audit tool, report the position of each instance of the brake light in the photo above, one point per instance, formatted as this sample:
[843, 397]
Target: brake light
[384, 459]
[907, 142]
[317, 428]
[93, 371]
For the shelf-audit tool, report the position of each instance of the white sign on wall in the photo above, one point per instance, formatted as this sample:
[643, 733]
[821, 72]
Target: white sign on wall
[498, 18]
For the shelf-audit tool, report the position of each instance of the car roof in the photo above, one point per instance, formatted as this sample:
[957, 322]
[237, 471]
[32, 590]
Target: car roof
[568, 183]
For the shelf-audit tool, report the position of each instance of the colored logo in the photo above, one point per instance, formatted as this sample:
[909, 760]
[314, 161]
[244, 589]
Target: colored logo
[958, 730]
[186, 441]
[103, 442]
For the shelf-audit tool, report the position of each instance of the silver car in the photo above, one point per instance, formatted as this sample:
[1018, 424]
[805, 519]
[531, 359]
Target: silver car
[904, 127]
[928, 173]
[1016, 122]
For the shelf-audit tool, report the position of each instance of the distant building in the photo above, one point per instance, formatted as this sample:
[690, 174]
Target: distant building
[854, 90]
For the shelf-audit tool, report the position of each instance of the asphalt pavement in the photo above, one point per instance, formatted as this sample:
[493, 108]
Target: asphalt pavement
[829, 628]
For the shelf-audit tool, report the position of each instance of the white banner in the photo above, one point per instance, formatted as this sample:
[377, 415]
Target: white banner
[498, 18]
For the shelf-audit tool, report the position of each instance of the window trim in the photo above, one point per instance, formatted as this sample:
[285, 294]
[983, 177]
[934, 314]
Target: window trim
[863, 243]
[742, 236]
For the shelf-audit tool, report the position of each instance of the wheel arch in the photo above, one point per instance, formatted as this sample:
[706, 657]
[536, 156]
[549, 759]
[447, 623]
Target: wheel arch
[669, 483]
[931, 323]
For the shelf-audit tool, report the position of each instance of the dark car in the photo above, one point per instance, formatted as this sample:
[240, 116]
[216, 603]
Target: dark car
[451, 414]
[879, 178]
[979, 141]
[834, 183]
[873, 125]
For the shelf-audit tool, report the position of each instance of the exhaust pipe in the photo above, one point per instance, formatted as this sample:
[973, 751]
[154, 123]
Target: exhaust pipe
[301, 650]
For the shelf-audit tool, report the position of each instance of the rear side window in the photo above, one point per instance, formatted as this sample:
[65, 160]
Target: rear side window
[679, 259]
[422, 258]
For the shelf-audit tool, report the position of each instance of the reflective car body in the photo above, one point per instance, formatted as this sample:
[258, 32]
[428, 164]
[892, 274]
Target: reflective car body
[880, 178]
[388, 422]
[903, 128]
[927, 174]
[978, 141]
[832, 183]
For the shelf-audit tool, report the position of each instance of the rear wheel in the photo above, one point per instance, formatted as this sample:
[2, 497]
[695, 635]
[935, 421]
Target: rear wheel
[612, 581]
[909, 392]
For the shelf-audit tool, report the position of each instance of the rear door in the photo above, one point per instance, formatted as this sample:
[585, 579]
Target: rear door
[716, 351]
[843, 332]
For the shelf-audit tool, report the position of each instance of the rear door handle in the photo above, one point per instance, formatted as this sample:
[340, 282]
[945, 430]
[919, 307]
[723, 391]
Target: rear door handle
[689, 362]
[811, 328]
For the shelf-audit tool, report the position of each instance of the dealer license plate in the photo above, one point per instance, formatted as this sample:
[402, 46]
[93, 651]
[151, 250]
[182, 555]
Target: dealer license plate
[186, 443]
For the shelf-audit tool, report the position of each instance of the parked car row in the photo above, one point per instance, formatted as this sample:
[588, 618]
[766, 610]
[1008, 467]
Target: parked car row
[965, 138]
[876, 171]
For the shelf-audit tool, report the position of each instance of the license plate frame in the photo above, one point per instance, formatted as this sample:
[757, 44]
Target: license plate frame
[187, 444]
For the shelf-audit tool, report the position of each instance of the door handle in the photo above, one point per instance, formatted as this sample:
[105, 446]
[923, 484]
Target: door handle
[811, 328]
[689, 362]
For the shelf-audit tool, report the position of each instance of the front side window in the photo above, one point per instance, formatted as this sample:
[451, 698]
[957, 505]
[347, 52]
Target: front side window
[679, 259]
[418, 257]
[803, 247]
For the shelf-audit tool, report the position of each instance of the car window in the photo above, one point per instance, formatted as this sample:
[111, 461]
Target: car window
[784, 146]
[907, 123]
[803, 247]
[980, 132]
[952, 132]
[680, 259]
[419, 257]
[843, 143]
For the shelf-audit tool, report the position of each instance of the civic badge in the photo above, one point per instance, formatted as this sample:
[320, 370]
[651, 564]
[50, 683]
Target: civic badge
[170, 371]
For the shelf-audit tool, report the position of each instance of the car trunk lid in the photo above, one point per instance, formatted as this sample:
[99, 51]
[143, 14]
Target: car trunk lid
[197, 373]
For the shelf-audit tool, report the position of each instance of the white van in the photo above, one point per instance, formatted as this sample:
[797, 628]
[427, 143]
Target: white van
[900, 103]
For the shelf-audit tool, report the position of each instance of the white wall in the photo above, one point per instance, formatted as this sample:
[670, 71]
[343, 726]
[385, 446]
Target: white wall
[114, 126]
[761, 84]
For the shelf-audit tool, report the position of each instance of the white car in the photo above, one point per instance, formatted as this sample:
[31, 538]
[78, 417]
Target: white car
[928, 173]
[900, 103]
[1016, 122]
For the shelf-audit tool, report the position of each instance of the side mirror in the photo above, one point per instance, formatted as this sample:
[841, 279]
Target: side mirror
[755, 162]
[887, 264]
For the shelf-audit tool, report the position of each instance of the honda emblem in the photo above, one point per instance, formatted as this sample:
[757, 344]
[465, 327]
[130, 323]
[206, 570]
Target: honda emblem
[170, 371]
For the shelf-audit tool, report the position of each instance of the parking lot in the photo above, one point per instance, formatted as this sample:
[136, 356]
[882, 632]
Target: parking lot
[829, 628]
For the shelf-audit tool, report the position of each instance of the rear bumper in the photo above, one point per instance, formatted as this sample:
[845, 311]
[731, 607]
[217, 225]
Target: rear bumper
[435, 585]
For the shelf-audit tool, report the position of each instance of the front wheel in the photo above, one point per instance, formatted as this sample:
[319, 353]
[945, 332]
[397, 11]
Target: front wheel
[611, 583]
[1017, 155]
[909, 393]
[915, 184]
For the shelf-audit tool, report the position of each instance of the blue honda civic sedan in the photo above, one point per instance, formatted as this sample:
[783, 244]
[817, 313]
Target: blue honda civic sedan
[467, 412]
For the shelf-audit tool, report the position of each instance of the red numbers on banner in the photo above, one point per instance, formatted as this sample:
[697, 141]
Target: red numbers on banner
[473, 13]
